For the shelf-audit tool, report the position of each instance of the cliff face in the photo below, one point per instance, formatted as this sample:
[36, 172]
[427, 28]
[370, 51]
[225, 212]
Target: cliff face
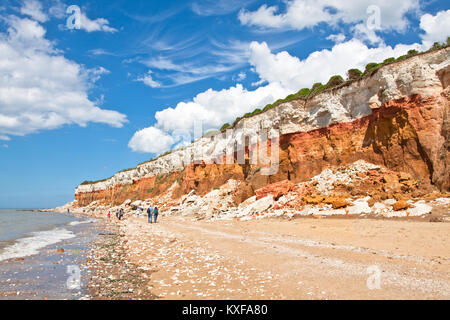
[398, 118]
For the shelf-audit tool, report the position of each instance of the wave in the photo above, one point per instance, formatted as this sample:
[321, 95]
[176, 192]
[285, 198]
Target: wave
[75, 223]
[31, 245]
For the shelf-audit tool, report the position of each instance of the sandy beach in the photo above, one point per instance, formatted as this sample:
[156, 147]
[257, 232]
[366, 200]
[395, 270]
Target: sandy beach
[304, 258]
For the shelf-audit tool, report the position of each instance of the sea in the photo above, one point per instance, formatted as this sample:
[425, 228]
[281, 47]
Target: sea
[43, 255]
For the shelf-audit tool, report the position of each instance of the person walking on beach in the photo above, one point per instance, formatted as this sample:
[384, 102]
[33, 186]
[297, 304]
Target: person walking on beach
[155, 213]
[109, 214]
[138, 212]
[149, 214]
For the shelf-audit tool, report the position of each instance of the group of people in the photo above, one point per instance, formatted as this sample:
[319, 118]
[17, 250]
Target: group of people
[152, 214]
[119, 214]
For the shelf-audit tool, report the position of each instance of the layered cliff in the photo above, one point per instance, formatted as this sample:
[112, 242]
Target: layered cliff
[398, 117]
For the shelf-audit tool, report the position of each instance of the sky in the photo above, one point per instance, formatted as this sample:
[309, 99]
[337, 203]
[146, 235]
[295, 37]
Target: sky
[88, 88]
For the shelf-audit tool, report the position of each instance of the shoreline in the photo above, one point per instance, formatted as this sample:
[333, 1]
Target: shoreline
[44, 273]
[112, 276]
[183, 258]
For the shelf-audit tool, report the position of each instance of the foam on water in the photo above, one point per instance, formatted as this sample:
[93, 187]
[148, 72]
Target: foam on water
[75, 223]
[31, 245]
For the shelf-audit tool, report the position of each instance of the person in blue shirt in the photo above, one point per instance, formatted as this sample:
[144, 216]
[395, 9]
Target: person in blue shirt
[149, 214]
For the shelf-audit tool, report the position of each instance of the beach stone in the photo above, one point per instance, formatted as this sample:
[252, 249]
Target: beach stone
[60, 250]
[400, 205]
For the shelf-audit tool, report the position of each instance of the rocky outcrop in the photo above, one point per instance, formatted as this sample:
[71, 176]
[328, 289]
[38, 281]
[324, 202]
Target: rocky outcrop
[397, 118]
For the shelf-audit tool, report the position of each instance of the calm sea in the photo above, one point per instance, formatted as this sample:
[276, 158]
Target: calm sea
[34, 237]
[23, 233]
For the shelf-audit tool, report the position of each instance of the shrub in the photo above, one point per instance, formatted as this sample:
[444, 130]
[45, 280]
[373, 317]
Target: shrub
[256, 111]
[304, 92]
[334, 81]
[371, 67]
[225, 127]
[267, 107]
[317, 88]
[236, 121]
[403, 57]
[388, 60]
[412, 52]
[354, 74]
[436, 46]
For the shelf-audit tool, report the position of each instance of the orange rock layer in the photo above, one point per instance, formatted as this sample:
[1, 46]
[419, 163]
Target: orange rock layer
[408, 135]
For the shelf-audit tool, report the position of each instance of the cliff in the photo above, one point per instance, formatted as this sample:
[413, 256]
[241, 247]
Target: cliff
[397, 118]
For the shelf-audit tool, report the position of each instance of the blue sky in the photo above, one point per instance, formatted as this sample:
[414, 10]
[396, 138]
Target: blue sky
[81, 104]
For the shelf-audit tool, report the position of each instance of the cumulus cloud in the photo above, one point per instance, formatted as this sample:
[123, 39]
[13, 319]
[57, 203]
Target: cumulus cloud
[151, 140]
[212, 108]
[301, 14]
[294, 73]
[99, 24]
[33, 9]
[436, 27]
[39, 88]
[336, 37]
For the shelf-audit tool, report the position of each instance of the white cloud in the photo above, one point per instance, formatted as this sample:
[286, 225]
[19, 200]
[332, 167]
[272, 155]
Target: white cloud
[216, 107]
[100, 52]
[39, 88]
[362, 32]
[218, 7]
[4, 138]
[211, 107]
[319, 66]
[5, 145]
[183, 73]
[99, 24]
[148, 80]
[33, 9]
[338, 38]
[151, 140]
[436, 27]
[241, 76]
[57, 9]
[301, 14]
